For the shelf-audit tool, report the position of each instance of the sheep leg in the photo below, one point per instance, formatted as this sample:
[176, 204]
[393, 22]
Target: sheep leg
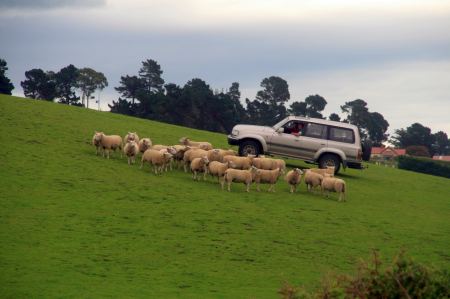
[204, 174]
[221, 182]
[142, 164]
[257, 187]
[107, 153]
[229, 186]
[248, 188]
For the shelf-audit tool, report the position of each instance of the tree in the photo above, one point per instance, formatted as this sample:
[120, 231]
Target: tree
[441, 144]
[150, 73]
[314, 105]
[88, 81]
[5, 84]
[298, 108]
[234, 92]
[334, 117]
[66, 83]
[376, 128]
[39, 85]
[275, 91]
[122, 107]
[416, 134]
[130, 87]
[417, 151]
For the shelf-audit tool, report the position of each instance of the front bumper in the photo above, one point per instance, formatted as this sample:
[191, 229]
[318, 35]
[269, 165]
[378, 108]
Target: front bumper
[233, 140]
[355, 165]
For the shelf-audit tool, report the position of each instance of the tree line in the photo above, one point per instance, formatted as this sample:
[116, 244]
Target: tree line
[197, 105]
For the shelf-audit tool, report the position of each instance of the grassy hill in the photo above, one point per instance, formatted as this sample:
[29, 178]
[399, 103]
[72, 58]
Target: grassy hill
[75, 225]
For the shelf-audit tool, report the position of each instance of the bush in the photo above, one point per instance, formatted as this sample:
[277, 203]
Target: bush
[424, 165]
[405, 278]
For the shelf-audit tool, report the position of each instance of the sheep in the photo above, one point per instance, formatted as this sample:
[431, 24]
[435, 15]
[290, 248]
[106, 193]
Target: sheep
[144, 144]
[178, 156]
[267, 177]
[281, 164]
[131, 136]
[158, 147]
[216, 168]
[172, 151]
[265, 163]
[334, 185]
[156, 158]
[199, 165]
[240, 176]
[96, 143]
[191, 154]
[294, 178]
[200, 144]
[131, 149]
[312, 179]
[322, 171]
[240, 162]
[108, 142]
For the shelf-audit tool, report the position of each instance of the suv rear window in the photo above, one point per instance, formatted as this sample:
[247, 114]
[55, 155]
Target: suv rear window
[316, 131]
[342, 135]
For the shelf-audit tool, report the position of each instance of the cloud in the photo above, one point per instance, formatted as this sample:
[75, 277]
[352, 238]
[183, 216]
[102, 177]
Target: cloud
[46, 4]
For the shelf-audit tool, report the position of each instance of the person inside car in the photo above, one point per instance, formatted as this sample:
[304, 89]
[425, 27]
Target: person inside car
[297, 129]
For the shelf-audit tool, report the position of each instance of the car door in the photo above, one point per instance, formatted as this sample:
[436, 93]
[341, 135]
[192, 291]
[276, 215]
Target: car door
[313, 139]
[284, 143]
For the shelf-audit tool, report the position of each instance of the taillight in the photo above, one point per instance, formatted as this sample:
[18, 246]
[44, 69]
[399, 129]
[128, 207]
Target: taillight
[359, 156]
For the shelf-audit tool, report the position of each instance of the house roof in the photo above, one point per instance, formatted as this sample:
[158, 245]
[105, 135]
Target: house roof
[388, 151]
[442, 158]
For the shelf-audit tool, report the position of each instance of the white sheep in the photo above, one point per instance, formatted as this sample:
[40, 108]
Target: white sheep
[131, 149]
[312, 179]
[240, 162]
[267, 177]
[199, 165]
[281, 164]
[108, 142]
[158, 159]
[322, 171]
[216, 168]
[131, 136]
[144, 144]
[240, 176]
[178, 156]
[96, 143]
[334, 185]
[264, 163]
[191, 154]
[200, 144]
[294, 178]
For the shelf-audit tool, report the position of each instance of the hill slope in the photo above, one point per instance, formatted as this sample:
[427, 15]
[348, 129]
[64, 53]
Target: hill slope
[76, 225]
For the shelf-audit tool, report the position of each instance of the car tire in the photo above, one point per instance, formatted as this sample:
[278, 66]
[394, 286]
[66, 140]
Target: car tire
[330, 160]
[366, 147]
[249, 147]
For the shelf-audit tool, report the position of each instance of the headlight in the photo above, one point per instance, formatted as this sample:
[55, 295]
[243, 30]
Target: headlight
[235, 132]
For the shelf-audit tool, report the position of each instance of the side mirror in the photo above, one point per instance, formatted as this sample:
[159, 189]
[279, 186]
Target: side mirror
[280, 130]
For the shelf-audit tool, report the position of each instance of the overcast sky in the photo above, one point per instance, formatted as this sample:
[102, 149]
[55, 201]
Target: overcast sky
[393, 54]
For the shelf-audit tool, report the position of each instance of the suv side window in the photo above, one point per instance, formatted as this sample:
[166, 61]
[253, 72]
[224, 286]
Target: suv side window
[316, 131]
[342, 135]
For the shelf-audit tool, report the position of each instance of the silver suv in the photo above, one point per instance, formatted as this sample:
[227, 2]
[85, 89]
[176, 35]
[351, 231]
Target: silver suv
[314, 140]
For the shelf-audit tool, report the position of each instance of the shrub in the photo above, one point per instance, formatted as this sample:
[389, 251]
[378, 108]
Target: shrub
[405, 278]
[424, 165]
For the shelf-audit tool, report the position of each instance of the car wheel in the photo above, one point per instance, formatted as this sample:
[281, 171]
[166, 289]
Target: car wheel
[249, 147]
[330, 160]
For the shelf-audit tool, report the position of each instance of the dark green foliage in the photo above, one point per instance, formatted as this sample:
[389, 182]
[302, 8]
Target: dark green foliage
[311, 107]
[88, 81]
[424, 165]
[150, 73]
[404, 278]
[298, 108]
[275, 91]
[5, 84]
[66, 84]
[441, 144]
[334, 117]
[416, 134]
[417, 151]
[39, 85]
[130, 86]
[372, 125]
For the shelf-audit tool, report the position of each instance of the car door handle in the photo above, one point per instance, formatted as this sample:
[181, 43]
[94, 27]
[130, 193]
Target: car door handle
[322, 144]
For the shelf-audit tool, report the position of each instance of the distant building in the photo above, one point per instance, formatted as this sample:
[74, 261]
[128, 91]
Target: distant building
[442, 158]
[386, 155]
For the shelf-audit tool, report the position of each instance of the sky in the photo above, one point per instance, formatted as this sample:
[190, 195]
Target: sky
[395, 55]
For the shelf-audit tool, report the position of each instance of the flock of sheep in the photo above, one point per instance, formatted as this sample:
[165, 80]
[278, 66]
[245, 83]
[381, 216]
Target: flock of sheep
[201, 158]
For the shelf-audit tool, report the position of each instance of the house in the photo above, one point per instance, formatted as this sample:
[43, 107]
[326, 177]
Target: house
[442, 158]
[386, 155]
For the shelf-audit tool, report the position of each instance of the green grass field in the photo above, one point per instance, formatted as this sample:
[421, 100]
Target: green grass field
[75, 225]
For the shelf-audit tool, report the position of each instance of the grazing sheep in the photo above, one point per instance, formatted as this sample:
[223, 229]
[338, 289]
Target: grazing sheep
[191, 154]
[131, 136]
[267, 177]
[157, 159]
[144, 144]
[131, 149]
[216, 168]
[294, 178]
[108, 142]
[200, 144]
[214, 155]
[240, 162]
[322, 171]
[334, 185]
[199, 165]
[171, 150]
[312, 179]
[281, 164]
[178, 156]
[228, 152]
[96, 143]
[265, 163]
[240, 176]
[158, 147]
